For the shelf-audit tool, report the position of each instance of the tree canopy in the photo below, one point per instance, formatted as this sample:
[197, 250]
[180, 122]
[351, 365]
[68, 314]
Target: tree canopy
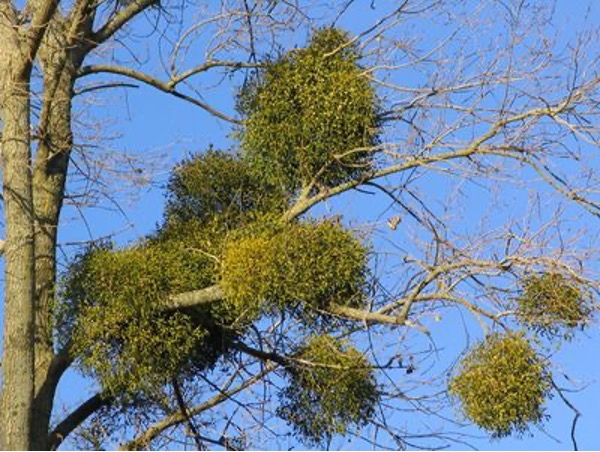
[311, 121]
[261, 309]
[224, 225]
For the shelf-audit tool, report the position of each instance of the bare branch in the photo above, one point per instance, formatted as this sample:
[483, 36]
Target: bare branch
[43, 12]
[414, 161]
[74, 420]
[101, 86]
[209, 65]
[120, 20]
[576, 412]
[168, 87]
[365, 316]
[214, 293]
[175, 419]
[184, 411]
[195, 298]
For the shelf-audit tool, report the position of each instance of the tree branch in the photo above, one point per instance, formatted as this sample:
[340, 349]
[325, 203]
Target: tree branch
[576, 413]
[285, 361]
[165, 87]
[89, 89]
[365, 316]
[74, 420]
[184, 411]
[177, 418]
[195, 298]
[120, 19]
[303, 205]
[215, 293]
[209, 65]
[62, 360]
[8, 17]
[414, 161]
[262, 355]
[41, 18]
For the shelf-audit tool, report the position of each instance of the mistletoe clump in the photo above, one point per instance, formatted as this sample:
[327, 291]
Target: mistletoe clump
[218, 186]
[331, 386]
[116, 307]
[502, 385]
[551, 304]
[311, 121]
[312, 116]
[302, 267]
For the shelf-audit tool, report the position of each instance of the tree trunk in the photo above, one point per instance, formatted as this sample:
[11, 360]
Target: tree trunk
[48, 181]
[32, 208]
[60, 60]
[18, 354]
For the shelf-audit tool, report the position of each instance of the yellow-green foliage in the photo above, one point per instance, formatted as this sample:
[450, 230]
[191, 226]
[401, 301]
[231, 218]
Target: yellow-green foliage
[303, 265]
[502, 385]
[223, 225]
[120, 328]
[218, 185]
[311, 106]
[551, 303]
[331, 386]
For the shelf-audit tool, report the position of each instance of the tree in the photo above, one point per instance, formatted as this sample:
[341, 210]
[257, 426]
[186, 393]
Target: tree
[239, 285]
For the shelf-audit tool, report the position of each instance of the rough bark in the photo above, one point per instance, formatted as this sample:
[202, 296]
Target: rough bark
[48, 181]
[60, 60]
[33, 200]
[18, 353]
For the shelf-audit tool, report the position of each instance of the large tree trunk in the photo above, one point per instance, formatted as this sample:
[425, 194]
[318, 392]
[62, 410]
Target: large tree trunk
[32, 208]
[49, 180]
[60, 61]
[18, 356]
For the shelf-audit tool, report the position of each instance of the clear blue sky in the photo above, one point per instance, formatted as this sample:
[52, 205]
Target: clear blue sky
[154, 126]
